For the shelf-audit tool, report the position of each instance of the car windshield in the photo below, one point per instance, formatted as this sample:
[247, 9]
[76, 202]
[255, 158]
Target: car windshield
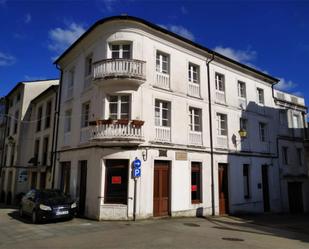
[46, 194]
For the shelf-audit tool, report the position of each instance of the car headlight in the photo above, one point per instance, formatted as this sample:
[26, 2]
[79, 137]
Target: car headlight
[74, 205]
[45, 208]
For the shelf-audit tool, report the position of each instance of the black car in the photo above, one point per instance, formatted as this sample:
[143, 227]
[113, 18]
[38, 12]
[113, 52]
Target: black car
[47, 204]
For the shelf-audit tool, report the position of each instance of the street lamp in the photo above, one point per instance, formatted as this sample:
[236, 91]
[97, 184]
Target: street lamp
[242, 133]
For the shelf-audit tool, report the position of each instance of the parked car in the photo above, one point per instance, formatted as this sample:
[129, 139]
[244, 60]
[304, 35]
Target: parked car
[47, 204]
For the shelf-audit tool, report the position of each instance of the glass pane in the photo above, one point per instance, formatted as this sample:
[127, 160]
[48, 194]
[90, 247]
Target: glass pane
[124, 98]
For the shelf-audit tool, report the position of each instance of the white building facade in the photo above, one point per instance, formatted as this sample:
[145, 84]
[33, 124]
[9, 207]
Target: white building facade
[132, 90]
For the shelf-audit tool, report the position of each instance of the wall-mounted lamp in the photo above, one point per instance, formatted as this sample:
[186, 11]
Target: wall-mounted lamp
[242, 133]
[145, 154]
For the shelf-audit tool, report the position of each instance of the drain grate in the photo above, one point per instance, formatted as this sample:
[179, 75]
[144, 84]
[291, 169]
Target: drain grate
[233, 239]
[191, 224]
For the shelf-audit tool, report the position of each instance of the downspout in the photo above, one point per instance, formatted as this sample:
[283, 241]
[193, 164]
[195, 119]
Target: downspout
[211, 137]
[56, 127]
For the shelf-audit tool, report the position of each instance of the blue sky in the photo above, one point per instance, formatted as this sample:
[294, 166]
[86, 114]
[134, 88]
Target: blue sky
[271, 36]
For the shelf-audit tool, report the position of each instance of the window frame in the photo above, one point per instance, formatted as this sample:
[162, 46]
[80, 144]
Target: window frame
[160, 62]
[39, 118]
[68, 121]
[192, 72]
[219, 124]
[220, 83]
[260, 95]
[161, 110]
[121, 50]
[88, 66]
[263, 131]
[48, 113]
[85, 114]
[119, 103]
[195, 112]
[242, 91]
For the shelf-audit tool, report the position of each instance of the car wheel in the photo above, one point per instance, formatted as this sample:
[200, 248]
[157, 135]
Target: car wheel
[21, 212]
[34, 217]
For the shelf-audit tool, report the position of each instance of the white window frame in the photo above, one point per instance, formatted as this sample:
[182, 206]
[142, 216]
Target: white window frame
[160, 109]
[263, 131]
[68, 121]
[85, 114]
[195, 112]
[218, 81]
[70, 85]
[88, 65]
[221, 131]
[119, 105]
[160, 61]
[260, 96]
[242, 93]
[193, 69]
[296, 123]
[121, 50]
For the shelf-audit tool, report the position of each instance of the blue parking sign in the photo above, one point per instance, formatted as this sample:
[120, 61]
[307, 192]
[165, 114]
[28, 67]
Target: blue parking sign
[136, 172]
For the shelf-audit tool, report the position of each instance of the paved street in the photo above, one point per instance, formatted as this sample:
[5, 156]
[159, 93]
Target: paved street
[267, 231]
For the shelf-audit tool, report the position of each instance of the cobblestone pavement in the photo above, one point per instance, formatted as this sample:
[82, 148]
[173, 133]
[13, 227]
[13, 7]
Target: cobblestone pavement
[218, 232]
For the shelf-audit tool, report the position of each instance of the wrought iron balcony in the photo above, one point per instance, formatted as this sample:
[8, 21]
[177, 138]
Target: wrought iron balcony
[128, 71]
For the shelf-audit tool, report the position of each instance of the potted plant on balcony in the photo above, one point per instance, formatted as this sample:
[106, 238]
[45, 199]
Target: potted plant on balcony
[106, 121]
[137, 123]
[123, 121]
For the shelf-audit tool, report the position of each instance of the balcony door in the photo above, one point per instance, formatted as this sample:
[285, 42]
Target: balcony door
[120, 51]
[119, 107]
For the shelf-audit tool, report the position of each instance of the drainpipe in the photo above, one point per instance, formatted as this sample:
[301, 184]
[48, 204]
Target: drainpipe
[56, 127]
[211, 137]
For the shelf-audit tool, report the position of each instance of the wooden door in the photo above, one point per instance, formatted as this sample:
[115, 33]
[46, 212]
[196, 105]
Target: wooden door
[265, 185]
[161, 193]
[295, 193]
[223, 189]
[82, 188]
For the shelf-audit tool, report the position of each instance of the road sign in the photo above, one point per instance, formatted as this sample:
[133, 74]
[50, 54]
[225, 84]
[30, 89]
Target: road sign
[136, 172]
[137, 163]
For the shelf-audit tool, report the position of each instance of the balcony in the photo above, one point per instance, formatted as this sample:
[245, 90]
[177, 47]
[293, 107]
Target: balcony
[123, 72]
[163, 134]
[162, 81]
[195, 138]
[220, 97]
[117, 131]
[194, 90]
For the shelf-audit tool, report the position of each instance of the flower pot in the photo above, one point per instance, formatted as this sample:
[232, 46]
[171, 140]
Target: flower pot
[137, 123]
[123, 121]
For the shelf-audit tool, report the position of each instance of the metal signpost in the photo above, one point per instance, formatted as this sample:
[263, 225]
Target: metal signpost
[136, 173]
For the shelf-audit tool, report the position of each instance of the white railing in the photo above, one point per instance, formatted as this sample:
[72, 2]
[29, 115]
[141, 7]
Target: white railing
[163, 134]
[110, 131]
[242, 103]
[84, 135]
[195, 138]
[194, 89]
[220, 97]
[222, 142]
[162, 80]
[67, 139]
[119, 67]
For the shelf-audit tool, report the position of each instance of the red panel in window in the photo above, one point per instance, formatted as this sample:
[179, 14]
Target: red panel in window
[194, 188]
[116, 179]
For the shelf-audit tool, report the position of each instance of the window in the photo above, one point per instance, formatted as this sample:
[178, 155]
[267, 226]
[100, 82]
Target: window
[119, 107]
[195, 119]
[299, 152]
[162, 63]
[193, 73]
[121, 51]
[241, 89]
[88, 66]
[162, 113]
[8, 126]
[220, 82]
[65, 177]
[36, 152]
[45, 151]
[246, 181]
[296, 121]
[16, 117]
[260, 93]
[262, 129]
[48, 114]
[116, 182]
[67, 121]
[222, 124]
[39, 118]
[12, 155]
[85, 114]
[283, 117]
[285, 158]
[243, 124]
[196, 183]
[70, 86]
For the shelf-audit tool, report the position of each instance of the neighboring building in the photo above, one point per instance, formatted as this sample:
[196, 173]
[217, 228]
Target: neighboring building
[292, 154]
[3, 119]
[15, 165]
[131, 89]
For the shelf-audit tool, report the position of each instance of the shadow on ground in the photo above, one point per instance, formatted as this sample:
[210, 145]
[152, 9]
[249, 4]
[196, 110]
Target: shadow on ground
[295, 227]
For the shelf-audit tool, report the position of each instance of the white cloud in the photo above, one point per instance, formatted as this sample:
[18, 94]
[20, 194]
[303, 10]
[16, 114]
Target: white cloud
[108, 5]
[62, 38]
[28, 18]
[298, 93]
[285, 85]
[184, 10]
[6, 59]
[243, 56]
[180, 30]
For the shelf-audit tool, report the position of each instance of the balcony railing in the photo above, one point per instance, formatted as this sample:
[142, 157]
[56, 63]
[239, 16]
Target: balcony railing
[195, 138]
[220, 97]
[194, 89]
[222, 142]
[162, 80]
[163, 134]
[128, 130]
[119, 68]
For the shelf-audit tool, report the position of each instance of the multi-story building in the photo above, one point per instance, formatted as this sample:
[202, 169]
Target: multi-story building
[2, 138]
[293, 166]
[204, 126]
[15, 165]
